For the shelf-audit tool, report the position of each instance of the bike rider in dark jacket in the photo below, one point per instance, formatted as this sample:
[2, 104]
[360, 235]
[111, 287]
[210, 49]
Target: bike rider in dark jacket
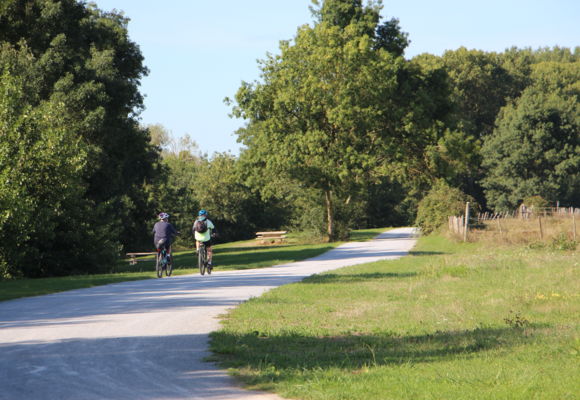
[163, 233]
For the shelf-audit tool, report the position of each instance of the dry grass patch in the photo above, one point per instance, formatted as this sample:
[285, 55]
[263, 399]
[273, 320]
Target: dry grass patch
[560, 232]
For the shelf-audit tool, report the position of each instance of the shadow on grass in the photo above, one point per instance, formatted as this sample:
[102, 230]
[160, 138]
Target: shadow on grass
[426, 253]
[249, 248]
[225, 250]
[347, 278]
[268, 256]
[258, 351]
[360, 236]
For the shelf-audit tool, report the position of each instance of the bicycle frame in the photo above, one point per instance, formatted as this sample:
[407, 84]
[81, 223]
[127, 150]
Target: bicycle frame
[202, 260]
[163, 262]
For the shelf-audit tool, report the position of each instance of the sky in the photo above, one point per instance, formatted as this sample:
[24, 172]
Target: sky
[200, 52]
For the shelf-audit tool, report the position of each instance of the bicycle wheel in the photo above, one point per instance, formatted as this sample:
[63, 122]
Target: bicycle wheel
[158, 264]
[169, 267]
[201, 262]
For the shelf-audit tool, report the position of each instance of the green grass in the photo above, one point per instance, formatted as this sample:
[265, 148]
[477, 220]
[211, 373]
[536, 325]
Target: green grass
[451, 321]
[229, 256]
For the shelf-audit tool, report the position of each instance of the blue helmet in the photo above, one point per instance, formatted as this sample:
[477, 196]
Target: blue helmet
[202, 213]
[163, 215]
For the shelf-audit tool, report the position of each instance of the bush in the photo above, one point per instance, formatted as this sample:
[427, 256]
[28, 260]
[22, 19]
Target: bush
[563, 242]
[536, 202]
[441, 202]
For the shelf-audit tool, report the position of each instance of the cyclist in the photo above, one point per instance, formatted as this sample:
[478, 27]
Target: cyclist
[203, 231]
[163, 233]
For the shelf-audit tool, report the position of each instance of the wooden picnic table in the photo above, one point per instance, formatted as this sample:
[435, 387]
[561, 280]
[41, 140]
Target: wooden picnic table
[133, 257]
[271, 237]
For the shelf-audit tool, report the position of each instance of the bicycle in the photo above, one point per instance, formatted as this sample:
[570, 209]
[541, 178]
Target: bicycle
[202, 261]
[163, 262]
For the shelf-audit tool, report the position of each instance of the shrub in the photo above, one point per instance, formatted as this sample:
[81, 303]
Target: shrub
[536, 202]
[441, 202]
[562, 242]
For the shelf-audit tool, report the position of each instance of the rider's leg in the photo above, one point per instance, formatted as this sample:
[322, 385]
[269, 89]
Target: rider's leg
[209, 254]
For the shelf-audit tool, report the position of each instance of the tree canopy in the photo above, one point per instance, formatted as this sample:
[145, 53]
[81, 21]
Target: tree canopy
[535, 149]
[333, 108]
[76, 59]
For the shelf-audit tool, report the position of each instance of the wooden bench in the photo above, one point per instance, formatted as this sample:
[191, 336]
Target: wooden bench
[271, 237]
[133, 257]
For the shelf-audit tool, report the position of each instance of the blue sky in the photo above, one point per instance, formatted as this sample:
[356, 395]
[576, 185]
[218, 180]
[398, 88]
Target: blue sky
[199, 52]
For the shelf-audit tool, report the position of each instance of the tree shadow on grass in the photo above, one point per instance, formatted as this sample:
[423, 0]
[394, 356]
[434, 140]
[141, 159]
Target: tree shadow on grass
[360, 236]
[264, 248]
[426, 253]
[259, 351]
[347, 278]
[280, 254]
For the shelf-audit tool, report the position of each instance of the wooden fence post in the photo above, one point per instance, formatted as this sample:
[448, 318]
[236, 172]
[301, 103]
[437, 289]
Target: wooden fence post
[466, 221]
[541, 230]
[574, 225]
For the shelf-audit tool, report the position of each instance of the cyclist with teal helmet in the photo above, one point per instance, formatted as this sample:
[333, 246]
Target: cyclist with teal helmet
[204, 231]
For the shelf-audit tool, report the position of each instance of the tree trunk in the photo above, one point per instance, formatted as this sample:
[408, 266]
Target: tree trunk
[330, 215]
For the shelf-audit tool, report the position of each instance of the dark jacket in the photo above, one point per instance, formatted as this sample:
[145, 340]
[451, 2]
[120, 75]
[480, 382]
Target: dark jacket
[163, 230]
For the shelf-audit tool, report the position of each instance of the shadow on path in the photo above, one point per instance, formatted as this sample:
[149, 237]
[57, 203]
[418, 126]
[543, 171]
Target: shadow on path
[132, 374]
[44, 347]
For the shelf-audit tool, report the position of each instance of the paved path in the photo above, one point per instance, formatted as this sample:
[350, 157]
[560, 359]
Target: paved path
[146, 340]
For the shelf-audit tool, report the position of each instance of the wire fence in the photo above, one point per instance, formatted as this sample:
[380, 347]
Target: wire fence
[529, 212]
[522, 225]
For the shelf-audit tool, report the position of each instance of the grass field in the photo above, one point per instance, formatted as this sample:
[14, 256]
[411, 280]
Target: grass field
[451, 321]
[229, 256]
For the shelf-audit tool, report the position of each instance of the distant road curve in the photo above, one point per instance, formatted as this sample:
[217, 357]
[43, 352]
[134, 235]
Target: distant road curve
[146, 340]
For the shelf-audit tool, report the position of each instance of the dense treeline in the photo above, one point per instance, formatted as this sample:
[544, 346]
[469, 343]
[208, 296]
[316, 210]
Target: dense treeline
[73, 159]
[341, 132]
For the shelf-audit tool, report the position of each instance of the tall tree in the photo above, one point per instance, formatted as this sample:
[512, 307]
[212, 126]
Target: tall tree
[480, 87]
[535, 149]
[82, 58]
[342, 13]
[333, 106]
[42, 194]
[390, 37]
